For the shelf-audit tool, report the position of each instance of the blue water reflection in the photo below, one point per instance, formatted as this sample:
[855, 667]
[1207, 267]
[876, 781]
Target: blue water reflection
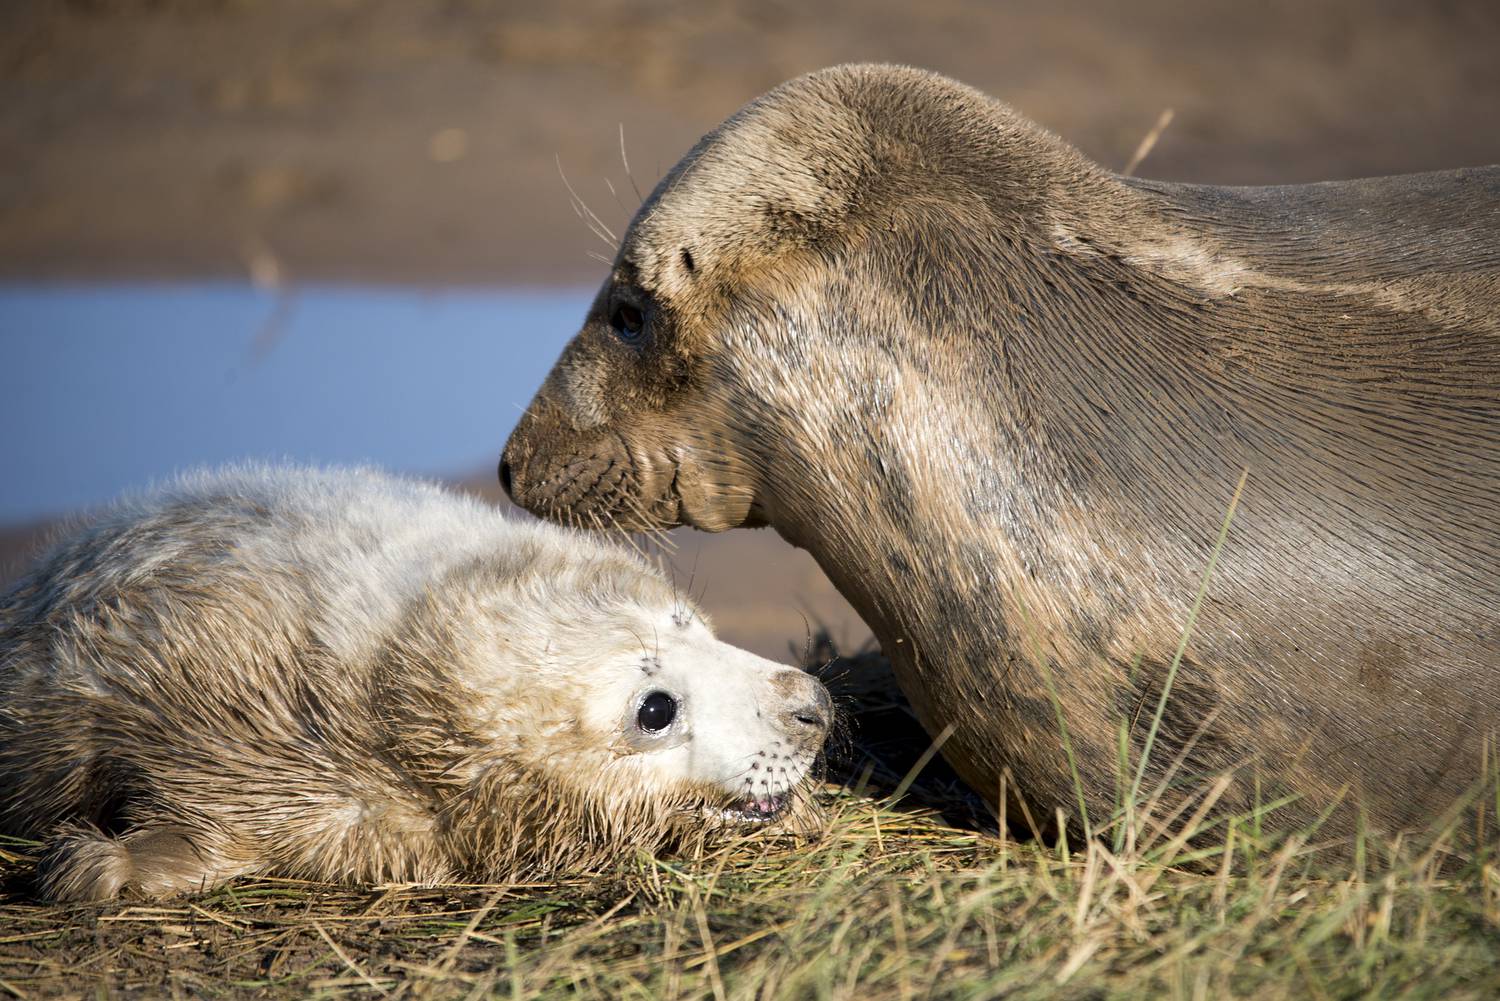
[108, 387]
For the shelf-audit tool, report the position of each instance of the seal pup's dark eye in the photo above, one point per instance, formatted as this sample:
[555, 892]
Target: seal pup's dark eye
[628, 321]
[656, 713]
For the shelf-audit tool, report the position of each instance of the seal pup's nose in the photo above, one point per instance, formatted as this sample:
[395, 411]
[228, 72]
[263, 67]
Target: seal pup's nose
[813, 715]
[810, 716]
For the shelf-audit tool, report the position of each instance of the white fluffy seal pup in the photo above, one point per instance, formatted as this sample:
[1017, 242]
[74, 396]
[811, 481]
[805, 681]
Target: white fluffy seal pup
[344, 676]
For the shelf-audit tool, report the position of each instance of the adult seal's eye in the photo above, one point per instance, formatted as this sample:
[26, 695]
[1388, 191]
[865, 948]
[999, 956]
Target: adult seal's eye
[628, 321]
[656, 713]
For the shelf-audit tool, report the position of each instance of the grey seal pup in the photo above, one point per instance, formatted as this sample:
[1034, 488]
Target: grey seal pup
[340, 675]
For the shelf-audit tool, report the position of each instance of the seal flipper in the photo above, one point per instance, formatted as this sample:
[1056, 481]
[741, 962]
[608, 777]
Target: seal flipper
[85, 864]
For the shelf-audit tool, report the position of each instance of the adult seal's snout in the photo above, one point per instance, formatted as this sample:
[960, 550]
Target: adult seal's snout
[505, 479]
[585, 472]
[1004, 397]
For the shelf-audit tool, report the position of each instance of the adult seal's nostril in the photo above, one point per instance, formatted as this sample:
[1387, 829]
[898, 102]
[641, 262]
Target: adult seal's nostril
[505, 478]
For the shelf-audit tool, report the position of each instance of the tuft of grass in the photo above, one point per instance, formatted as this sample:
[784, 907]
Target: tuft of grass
[906, 896]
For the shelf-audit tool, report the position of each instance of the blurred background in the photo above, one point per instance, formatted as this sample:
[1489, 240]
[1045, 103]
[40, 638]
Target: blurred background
[339, 230]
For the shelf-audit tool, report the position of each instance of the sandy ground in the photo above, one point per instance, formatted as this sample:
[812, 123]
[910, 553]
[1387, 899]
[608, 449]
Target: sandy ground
[420, 142]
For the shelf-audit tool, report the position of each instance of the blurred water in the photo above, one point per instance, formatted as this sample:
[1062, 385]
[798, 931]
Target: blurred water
[106, 387]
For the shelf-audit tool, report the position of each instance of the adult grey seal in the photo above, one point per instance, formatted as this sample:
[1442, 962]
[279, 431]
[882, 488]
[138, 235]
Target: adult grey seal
[340, 675]
[1004, 396]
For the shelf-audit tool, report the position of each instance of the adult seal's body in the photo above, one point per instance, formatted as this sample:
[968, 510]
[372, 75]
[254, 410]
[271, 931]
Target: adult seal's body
[1004, 397]
[344, 676]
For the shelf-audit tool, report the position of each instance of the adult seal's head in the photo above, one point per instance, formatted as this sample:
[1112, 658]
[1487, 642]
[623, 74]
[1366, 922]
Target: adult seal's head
[1004, 397]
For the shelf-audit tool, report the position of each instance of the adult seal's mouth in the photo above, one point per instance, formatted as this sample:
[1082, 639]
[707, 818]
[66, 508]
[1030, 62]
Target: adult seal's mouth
[600, 483]
[712, 497]
[611, 485]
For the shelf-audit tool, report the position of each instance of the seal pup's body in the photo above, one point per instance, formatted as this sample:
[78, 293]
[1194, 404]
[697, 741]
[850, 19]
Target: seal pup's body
[341, 675]
[1004, 396]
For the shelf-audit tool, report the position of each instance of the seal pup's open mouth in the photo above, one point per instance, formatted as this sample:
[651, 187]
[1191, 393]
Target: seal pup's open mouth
[756, 811]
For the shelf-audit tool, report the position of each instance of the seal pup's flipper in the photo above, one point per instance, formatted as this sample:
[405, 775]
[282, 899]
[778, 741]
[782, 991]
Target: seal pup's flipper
[85, 864]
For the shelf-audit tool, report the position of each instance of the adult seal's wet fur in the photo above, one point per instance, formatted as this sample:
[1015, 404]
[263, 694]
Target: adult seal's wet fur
[1004, 397]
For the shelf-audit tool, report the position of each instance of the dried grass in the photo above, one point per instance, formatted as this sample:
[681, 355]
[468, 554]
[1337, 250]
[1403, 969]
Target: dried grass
[911, 898]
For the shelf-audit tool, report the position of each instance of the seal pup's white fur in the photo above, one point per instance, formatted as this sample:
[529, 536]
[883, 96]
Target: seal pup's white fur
[341, 675]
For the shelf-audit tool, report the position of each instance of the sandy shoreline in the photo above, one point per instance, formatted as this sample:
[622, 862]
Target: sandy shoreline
[389, 141]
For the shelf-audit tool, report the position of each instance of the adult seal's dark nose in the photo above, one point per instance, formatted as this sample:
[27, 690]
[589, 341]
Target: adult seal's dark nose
[505, 478]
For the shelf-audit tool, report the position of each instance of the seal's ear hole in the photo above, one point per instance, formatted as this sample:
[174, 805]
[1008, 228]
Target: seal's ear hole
[687, 260]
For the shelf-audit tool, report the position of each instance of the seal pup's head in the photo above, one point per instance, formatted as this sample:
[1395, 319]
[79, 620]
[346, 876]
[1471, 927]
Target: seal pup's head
[819, 237]
[598, 714]
[339, 675]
